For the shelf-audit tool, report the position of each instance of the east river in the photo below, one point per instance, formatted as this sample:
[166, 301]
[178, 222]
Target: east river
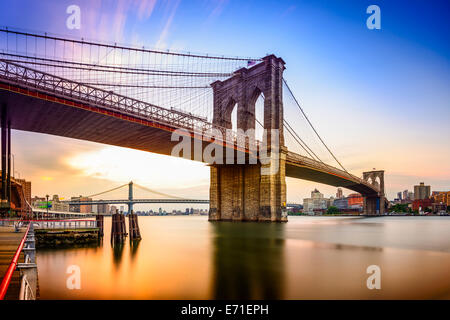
[187, 257]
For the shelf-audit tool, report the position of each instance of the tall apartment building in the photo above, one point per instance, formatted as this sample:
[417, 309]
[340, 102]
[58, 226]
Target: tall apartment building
[421, 191]
[339, 193]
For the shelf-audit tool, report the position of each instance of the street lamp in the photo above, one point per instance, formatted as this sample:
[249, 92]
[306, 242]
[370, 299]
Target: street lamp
[13, 164]
[47, 204]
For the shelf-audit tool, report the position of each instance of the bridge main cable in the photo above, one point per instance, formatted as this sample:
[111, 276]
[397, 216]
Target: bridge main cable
[115, 46]
[315, 131]
[156, 192]
[103, 192]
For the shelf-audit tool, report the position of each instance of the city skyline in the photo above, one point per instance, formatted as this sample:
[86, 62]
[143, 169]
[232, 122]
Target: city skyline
[377, 90]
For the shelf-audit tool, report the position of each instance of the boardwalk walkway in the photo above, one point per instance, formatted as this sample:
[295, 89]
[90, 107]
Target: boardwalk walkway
[9, 241]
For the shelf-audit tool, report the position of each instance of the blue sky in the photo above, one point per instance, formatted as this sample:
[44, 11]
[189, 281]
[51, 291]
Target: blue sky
[380, 98]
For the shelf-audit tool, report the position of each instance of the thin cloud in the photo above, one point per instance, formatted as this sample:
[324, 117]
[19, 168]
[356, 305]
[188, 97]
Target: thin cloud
[161, 43]
[145, 9]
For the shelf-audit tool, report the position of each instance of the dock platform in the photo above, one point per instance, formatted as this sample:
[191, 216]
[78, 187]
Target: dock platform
[9, 241]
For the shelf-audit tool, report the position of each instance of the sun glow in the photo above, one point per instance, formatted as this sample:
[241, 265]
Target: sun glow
[122, 165]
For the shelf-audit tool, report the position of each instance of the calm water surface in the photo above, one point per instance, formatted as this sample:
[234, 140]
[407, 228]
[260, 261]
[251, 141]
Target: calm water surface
[307, 258]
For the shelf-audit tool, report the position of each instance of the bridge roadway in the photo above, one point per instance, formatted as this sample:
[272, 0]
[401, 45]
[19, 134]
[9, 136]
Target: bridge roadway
[44, 103]
[137, 201]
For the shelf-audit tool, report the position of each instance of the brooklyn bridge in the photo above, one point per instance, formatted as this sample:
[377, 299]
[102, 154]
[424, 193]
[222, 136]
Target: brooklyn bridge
[138, 98]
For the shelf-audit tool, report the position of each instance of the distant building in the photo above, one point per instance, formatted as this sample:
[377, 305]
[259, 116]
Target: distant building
[74, 207]
[113, 209]
[103, 208]
[406, 195]
[421, 204]
[86, 208]
[355, 201]
[60, 206]
[37, 201]
[421, 191]
[411, 195]
[341, 204]
[339, 193]
[399, 196]
[316, 203]
[26, 185]
[441, 197]
[438, 207]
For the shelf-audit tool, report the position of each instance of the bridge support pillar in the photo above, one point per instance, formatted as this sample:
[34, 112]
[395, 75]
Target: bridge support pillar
[251, 192]
[130, 197]
[375, 204]
[246, 193]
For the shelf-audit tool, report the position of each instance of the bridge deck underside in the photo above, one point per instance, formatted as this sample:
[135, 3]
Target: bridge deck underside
[29, 113]
[301, 171]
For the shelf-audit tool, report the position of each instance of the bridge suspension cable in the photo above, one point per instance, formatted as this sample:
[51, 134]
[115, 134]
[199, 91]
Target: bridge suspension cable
[297, 138]
[167, 79]
[156, 192]
[309, 122]
[103, 192]
[115, 46]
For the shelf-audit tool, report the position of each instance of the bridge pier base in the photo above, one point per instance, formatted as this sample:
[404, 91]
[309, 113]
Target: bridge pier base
[374, 205]
[243, 193]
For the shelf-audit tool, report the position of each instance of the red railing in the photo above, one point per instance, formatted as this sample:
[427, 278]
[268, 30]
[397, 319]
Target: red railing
[7, 278]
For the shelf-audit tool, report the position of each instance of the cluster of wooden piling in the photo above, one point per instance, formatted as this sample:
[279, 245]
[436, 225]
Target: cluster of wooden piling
[135, 233]
[118, 228]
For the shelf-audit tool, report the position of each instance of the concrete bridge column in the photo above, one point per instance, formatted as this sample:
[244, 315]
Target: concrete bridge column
[273, 192]
[242, 193]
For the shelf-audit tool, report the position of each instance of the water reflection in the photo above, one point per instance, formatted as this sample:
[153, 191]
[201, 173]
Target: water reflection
[134, 248]
[307, 258]
[248, 260]
[117, 248]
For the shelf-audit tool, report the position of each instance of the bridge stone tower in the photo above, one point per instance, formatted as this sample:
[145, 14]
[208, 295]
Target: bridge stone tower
[242, 192]
[376, 203]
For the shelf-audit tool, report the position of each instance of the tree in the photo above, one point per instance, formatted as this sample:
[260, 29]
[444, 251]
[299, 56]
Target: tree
[333, 210]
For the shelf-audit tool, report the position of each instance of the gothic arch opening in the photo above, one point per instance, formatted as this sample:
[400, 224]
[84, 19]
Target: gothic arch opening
[231, 115]
[257, 99]
[377, 181]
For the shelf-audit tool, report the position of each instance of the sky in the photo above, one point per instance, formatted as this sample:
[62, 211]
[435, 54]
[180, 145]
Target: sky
[379, 98]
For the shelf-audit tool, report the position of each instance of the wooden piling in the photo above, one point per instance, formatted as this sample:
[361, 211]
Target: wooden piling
[118, 229]
[99, 219]
[135, 233]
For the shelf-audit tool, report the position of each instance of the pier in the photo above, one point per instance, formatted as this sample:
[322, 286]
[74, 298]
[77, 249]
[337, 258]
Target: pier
[9, 241]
